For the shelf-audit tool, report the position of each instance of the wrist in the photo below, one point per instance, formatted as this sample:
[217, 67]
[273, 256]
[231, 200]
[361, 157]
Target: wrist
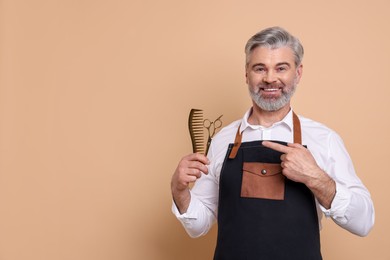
[318, 179]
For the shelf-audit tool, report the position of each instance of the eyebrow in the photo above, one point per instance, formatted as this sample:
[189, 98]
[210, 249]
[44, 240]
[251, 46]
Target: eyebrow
[278, 64]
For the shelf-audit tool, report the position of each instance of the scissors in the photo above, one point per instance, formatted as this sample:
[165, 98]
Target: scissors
[211, 128]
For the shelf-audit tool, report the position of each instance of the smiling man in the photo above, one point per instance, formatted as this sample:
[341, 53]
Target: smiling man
[270, 177]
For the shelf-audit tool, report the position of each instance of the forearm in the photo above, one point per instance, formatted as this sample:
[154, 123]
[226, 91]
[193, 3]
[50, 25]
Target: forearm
[323, 188]
[351, 206]
[181, 199]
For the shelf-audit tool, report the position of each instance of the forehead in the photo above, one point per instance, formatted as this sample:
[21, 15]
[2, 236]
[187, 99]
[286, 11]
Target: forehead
[270, 57]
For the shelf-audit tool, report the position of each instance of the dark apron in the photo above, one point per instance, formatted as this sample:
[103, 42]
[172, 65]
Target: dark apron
[261, 214]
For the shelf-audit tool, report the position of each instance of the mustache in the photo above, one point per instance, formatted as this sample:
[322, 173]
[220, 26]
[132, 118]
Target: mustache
[270, 85]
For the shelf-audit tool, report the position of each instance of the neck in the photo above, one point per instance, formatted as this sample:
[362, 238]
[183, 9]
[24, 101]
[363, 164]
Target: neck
[267, 118]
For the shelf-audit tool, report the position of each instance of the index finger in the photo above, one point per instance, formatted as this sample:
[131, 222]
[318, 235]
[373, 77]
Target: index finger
[277, 147]
[198, 157]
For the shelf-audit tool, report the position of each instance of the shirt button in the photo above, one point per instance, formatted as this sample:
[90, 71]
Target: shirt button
[263, 171]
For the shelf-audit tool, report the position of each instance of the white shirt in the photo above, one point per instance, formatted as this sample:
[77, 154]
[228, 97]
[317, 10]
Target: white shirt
[352, 207]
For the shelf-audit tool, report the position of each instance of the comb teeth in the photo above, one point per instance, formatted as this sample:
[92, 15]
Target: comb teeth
[195, 126]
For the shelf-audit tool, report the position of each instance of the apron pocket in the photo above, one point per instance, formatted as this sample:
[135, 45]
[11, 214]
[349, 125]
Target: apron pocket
[262, 181]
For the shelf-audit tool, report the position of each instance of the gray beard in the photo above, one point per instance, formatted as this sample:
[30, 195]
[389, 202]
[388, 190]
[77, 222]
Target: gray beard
[272, 104]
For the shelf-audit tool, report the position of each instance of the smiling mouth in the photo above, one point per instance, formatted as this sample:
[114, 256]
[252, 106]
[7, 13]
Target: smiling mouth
[270, 89]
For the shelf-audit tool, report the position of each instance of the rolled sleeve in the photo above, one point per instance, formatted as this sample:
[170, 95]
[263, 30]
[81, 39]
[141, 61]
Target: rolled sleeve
[339, 205]
[198, 219]
[352, 207]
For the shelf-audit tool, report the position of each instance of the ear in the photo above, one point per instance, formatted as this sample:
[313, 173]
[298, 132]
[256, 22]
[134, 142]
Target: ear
[299, 72]
[246, 75]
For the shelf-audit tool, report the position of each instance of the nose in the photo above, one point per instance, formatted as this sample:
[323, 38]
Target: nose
[269, 77]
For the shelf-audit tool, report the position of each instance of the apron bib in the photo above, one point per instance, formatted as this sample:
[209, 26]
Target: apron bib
[261, 214]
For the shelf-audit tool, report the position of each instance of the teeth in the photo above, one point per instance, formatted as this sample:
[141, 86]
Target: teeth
[270, 89]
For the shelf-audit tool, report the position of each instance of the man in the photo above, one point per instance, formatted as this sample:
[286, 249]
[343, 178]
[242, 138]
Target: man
[269, 196]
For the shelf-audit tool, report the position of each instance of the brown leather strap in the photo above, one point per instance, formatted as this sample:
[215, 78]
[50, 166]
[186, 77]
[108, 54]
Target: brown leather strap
[236, 145]
[296, 130]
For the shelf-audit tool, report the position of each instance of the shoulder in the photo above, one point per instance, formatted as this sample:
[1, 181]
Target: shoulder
[315, 129]
[319, 138]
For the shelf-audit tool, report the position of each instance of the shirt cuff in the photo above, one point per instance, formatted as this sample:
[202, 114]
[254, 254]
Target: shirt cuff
[339, 205]
[189, 215]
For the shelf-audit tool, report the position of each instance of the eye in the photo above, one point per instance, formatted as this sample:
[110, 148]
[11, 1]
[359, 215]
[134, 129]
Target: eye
[281, 68]
[259, 69]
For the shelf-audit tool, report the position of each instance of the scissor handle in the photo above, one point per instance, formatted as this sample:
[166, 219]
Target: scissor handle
[218, 122]
[212, 126]
[207, 123]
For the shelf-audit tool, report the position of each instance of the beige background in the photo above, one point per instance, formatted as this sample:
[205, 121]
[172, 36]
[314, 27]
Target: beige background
[94, 100]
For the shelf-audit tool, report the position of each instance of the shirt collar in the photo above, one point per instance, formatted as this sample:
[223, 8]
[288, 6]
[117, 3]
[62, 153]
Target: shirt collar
[287, 121]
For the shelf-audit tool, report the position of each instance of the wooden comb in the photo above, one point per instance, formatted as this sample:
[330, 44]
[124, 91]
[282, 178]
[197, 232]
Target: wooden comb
[195, 126]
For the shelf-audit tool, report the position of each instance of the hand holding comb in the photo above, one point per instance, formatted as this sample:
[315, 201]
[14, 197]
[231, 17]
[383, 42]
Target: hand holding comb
[196, 125]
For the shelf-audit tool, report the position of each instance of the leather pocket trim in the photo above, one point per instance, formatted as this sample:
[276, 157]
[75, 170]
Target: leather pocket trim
[263, 181]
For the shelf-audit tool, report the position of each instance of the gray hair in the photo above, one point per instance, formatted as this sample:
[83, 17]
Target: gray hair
[273, 38]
